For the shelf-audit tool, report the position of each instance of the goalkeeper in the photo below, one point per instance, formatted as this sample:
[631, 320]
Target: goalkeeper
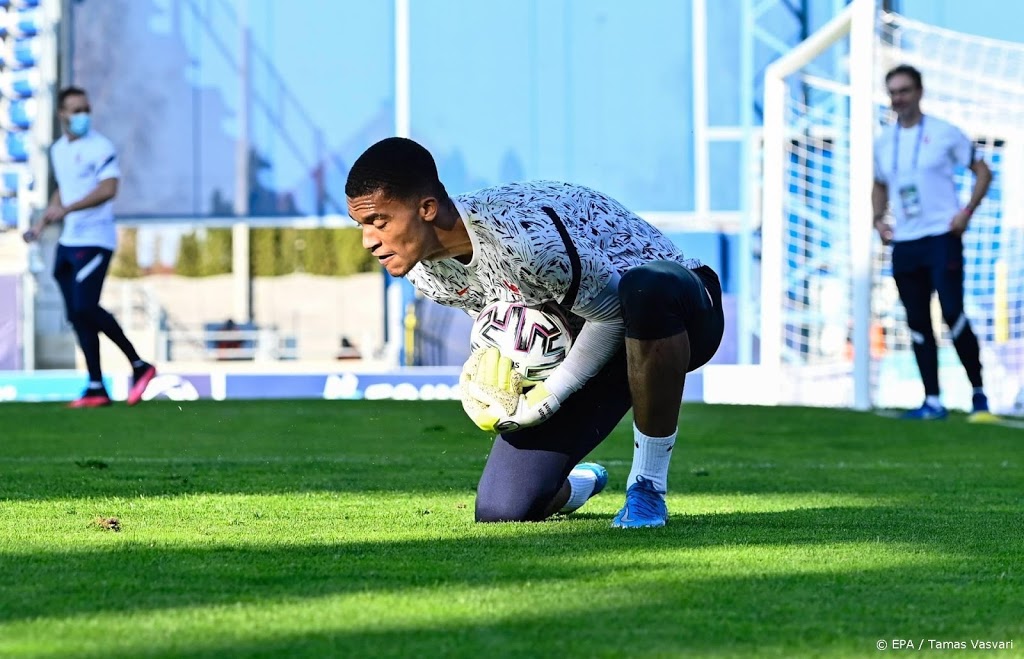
[650, 316]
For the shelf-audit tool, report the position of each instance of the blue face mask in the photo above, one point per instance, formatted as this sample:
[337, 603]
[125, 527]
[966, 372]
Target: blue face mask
[78, 124]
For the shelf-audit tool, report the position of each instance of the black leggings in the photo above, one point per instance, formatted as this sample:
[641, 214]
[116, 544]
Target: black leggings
[526, 469]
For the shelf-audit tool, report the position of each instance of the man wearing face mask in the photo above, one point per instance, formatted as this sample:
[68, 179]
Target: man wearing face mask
[86, 170]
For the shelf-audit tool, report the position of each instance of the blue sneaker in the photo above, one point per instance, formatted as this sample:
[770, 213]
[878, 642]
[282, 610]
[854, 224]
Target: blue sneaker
[600, 473]
[926, 413]
[645, 507]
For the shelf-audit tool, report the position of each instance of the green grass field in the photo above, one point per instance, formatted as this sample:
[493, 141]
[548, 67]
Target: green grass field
[345, 529]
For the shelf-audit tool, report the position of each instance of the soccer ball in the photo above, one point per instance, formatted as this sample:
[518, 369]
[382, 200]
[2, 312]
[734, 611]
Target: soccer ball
[536, 340]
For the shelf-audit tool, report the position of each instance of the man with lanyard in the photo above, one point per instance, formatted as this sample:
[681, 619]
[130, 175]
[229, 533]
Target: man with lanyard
[915, 163]
[86, 169]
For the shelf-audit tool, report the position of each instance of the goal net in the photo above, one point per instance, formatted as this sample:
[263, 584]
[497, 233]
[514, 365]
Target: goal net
[832, 324]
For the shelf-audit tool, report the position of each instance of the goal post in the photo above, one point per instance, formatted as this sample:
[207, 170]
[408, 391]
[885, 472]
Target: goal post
[851, 111]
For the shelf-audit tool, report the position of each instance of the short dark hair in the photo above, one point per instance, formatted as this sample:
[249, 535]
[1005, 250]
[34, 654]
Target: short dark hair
[907, 70]
[397, 166]
[68, 91]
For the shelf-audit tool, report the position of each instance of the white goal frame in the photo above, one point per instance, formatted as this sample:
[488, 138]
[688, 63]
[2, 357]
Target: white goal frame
[858, 21]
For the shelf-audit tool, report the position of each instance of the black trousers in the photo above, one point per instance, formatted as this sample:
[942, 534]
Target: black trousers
[921, 268]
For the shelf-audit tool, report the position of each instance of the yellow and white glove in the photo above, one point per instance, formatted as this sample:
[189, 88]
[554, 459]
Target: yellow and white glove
[493, 395]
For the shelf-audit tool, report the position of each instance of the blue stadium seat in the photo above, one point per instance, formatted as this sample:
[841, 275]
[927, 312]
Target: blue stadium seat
[18, 114]
[20, 53]
[15, 147]
[19, 83]
[9, 211]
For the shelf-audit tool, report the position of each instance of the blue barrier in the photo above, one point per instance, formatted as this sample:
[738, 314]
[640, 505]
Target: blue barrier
[415, 383]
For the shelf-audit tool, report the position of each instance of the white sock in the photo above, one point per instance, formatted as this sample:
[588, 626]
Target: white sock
[581, 486]
[95, 386]
[933, 401]
[979, 390]
[651, 456]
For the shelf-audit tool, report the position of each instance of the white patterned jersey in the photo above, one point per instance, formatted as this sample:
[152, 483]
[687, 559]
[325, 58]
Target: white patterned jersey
[542, 241]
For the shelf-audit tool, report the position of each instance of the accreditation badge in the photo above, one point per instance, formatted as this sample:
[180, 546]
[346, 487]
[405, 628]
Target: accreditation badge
[910, 199]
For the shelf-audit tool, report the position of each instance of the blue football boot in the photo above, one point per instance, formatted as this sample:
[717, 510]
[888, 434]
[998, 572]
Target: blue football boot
[645, 507]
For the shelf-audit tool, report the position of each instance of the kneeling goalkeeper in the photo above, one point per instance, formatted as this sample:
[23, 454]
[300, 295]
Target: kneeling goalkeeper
[650, 316]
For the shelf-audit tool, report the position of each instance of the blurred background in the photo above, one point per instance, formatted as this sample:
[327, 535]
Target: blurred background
[742, 128]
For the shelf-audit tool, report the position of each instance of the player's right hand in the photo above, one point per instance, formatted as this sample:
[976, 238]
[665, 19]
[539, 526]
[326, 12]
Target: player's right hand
[30, 236]
[493, 396]
[492, 369]
[490, 388]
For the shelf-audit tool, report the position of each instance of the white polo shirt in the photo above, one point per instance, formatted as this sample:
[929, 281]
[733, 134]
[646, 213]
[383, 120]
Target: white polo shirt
[922, 161]
[79, 166]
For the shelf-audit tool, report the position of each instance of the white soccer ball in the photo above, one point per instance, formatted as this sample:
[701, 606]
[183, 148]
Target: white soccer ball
[536, 340]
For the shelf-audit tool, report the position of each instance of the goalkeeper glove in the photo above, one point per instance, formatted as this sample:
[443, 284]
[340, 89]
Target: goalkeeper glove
[493, 396]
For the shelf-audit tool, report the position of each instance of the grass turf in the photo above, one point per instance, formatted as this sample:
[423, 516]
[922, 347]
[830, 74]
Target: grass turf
[316, 528]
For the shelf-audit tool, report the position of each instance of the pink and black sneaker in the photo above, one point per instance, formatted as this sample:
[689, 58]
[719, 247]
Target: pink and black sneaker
[140, 380]
[91, 398]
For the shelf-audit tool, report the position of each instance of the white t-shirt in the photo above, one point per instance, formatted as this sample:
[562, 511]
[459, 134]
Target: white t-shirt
[917, 164]
[79, 166]
[549, 242]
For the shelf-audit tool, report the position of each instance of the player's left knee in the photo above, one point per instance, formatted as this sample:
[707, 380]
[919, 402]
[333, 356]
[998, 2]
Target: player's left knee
[510, 509]
[650, 305]
[644, 286]
[491, 513]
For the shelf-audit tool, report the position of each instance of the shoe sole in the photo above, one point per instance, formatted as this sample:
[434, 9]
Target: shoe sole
[983, 417]
[634, 524]
[139, 388]
[78, 405]
[654, 525]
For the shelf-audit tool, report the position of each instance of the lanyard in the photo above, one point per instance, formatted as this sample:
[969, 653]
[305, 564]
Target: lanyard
[896, 147]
